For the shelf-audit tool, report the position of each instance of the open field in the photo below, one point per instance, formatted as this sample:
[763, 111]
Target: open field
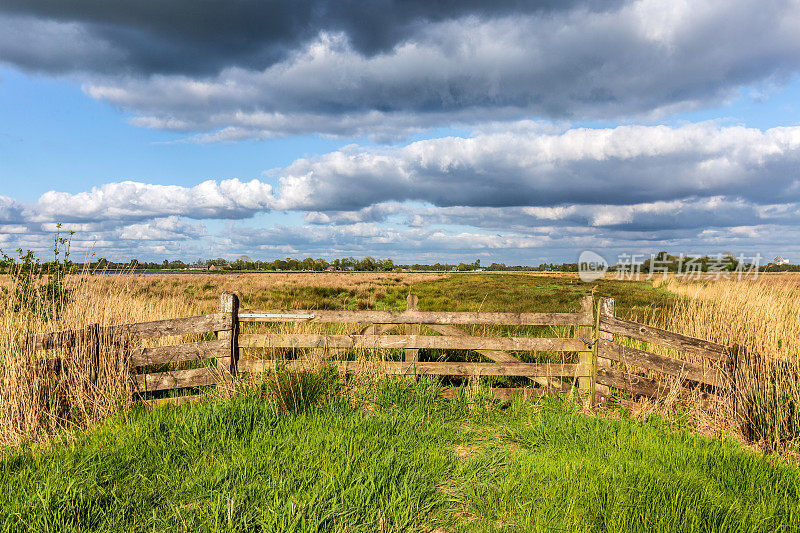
[391, 454]
[170, 295]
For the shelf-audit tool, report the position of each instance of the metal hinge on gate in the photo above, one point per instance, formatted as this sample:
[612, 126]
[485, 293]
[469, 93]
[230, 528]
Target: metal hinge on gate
[589, 344]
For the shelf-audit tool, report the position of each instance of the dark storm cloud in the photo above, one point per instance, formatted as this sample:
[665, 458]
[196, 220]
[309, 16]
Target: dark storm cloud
[640, 59]
[202, 37]
[236, 70]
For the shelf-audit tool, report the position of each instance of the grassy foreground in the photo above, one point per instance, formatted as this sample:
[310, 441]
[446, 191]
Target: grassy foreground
[393, 457]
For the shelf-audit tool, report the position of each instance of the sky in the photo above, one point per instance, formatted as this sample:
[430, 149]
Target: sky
[504, 131]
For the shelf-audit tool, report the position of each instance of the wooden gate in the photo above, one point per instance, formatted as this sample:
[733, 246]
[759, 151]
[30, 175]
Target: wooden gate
[390, 341]
[377, 331]
[620, 364]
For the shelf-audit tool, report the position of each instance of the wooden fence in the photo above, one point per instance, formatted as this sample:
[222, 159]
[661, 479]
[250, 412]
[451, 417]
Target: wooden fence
[670, 373]
[599, 365]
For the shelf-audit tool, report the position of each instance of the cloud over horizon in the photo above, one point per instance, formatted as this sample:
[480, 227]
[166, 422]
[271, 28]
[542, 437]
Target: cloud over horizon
[521, 188]
[463, 120]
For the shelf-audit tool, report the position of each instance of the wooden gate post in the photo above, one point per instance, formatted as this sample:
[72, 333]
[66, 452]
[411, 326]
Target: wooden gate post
[606, 308]
[586, 358]
[229, 304]
[412, 354]
[92, 343]
[737, 356]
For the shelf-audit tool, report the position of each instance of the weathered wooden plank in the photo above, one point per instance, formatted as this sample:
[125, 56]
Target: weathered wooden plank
[605, 307]
[660, 363]
[637, 385]
[470, 369]
[141, 330]
[323, 354]
[498, 356]
[56, 339]
[653, 335]
[178, 400]
[587, 357]
[175, 326]
[48, 365]
[189, 351]
[424, 317]
[272, 340]
[229, 307]
[412, 354]
[508, 394]
[255, 365]
[177, 379]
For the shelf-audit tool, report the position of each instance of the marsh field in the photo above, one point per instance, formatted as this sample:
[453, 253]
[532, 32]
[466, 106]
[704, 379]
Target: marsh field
[363, 453]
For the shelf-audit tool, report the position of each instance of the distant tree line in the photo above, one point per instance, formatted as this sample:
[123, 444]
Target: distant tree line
[653, 263]
[310, 264]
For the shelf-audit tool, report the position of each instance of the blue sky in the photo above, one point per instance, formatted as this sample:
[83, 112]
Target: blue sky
[517, 133]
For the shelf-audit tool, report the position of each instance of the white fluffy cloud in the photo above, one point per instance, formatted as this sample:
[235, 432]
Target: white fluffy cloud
[167, 229]
[131, 200]
[616, 166]
[523, 188]
[10, 210]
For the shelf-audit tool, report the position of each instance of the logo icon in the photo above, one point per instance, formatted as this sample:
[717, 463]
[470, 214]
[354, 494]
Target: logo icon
[591, 266]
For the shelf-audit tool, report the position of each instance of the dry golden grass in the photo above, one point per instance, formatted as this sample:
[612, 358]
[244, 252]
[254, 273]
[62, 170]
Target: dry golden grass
[762, 316]
[36, 403]
[200, 291]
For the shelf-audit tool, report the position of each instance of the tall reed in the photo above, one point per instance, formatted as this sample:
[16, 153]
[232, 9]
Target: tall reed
[45, 391]
[761, 319]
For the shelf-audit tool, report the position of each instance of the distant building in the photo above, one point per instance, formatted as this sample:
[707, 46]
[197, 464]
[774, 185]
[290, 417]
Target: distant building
[223, 266]
[330, 269]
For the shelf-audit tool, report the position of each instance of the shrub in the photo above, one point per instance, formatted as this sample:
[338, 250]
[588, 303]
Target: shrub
[39, 289]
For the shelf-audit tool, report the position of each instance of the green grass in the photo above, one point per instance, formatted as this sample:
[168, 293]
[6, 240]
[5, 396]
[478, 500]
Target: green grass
[534, 294]
[409, 461]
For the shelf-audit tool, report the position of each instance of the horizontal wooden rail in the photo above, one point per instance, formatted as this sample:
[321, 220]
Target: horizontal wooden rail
[498, 356]
[176, 326]
[177, 379]
[634, 330]
[177, 400]
[181, 352]
[638, 385]
[417, 317]
[660, 363]
[256, 365]
[411, 341]
[56, 339]
[141, 330]
[509, 393]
